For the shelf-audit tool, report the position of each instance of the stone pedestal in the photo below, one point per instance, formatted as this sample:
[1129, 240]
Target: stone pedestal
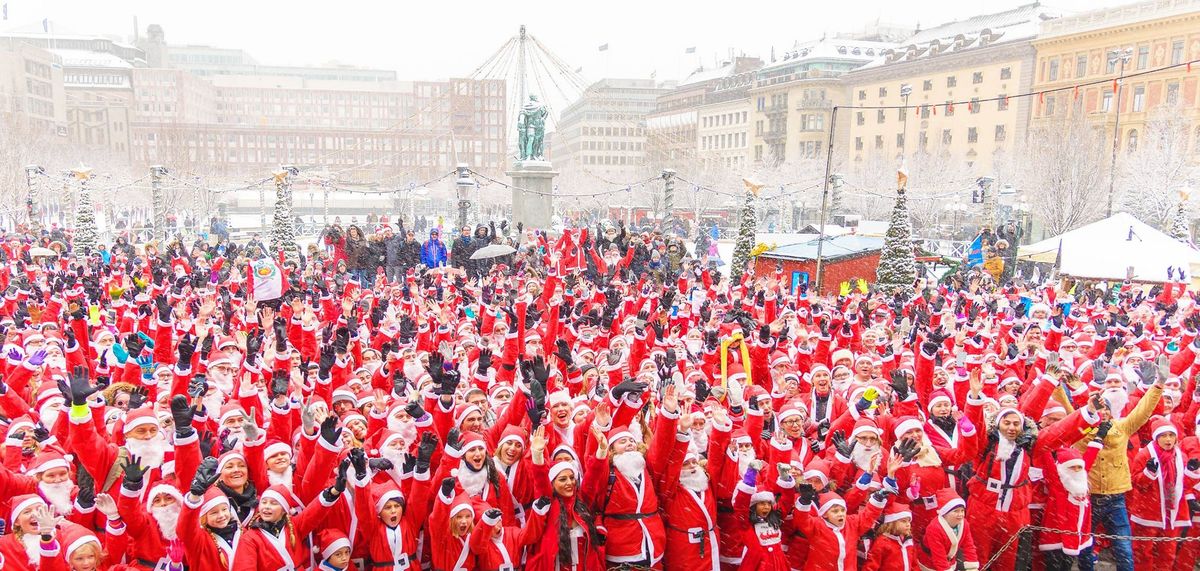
[536, 208]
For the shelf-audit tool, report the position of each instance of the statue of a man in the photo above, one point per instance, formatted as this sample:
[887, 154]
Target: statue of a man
[531, 126]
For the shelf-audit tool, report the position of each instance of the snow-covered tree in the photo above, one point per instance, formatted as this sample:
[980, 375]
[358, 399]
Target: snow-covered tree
[897, 263]
[283, 227]
[1179, 225]
[1153, 165]
[747, 224]
[1063, 170]
[86, 232]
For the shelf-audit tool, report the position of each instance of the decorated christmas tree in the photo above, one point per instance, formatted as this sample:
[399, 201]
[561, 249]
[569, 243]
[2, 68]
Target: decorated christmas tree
[898, 263]
[283, 228]
[1179, 226]
[86, 233]
[747, 224]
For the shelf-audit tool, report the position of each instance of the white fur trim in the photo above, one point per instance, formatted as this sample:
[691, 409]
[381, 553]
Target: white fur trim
[334, 547]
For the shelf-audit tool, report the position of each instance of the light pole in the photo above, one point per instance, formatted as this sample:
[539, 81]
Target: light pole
[905, 91]
[989, 200]
[1115, 57]
[825, 197]
[31, 172]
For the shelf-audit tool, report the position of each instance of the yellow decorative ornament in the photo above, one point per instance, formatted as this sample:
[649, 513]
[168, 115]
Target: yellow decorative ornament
[725, 343]
[280, 176]
[761, 248]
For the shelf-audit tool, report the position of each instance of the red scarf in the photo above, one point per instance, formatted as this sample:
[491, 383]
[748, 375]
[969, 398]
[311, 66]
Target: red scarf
[1166, 469]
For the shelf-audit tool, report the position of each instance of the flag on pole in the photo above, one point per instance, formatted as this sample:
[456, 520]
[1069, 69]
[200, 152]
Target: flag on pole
[604, 48]
[46, 25]
[267, 280]
[4, 9]
[690, 50]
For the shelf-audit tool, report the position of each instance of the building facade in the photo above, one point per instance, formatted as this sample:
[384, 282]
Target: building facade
[968, 61]
[602, 136]
[31, 88]
[1157, 34]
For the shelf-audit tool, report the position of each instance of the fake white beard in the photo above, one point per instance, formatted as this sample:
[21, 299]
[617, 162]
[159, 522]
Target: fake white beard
[49, 415]
[224, 383]
[373, 366]
[630, 464]
[396, 456]
[235, 358]
[1005, 448]
[694, 346]
[212, 403]
[33, 548]
[59, 496]
[866, 458]
[744, 459]
[284, 478]
[413, 370]
[841, 387]
[167, 518]
[407, 429]
[59, 363]
[151, 451]
[473, 481]
[1117, 399]
[1076, 483]
[928, 456]
[700, 439]
[695, 480]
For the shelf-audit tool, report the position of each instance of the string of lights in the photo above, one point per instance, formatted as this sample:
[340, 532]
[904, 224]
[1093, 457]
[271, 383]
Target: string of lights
[624, 188]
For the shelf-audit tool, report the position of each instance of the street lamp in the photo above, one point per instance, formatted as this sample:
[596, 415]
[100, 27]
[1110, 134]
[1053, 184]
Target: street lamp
[1114, 57]
[988, 199]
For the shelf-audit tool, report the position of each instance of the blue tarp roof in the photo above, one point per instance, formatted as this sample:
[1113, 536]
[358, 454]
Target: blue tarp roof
[835, 247]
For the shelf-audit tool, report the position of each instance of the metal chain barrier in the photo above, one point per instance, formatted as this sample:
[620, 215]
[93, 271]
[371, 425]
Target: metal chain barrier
[1017, 535]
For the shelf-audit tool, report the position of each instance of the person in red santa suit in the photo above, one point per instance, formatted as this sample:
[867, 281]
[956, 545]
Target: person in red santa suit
[1000, 491]
[275, 536]
[450, 527]
[572, 539]
[947, 539]
[20, 545]
[72, 548]
[1157, 507]
[497, 547]
[152, 524]
[833, 535]
[893, 548]
[688, 499]
[1069, 508]
[759, 522]
[388, 522]
[53, 475]
[466, 459]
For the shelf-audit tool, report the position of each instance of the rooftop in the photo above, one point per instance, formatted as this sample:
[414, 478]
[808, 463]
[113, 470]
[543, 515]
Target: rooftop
[835, 247]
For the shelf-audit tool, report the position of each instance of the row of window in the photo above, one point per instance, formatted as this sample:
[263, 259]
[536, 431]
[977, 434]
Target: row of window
[611, 131]
[1056, 68]
[1000, 135]
[612, 145]
[951, 82]
[609, 160]
[724, 119]
[725, 141]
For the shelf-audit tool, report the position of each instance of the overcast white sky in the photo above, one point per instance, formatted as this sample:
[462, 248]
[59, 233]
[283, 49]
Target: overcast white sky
[434, 39]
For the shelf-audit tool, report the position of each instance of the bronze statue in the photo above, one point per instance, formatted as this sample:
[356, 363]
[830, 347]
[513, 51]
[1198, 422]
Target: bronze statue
[531, 128]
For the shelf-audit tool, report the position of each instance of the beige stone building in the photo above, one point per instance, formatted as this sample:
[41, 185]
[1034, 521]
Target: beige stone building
[31, 87]
[793, 97]
[1158, 34]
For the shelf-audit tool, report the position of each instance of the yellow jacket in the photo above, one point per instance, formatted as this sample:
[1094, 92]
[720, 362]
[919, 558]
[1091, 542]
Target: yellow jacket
[1110, 473]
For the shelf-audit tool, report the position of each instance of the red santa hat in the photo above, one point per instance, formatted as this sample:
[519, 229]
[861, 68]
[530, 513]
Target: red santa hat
[779, 358]
[828, 501]
[558, 468]
[274, 447]
[937, 396]
[228, 457]
[818, 468]
[905, 424]
[735, 372]
[217, 357]
[462, 502]
[896, 511]
[790, 409]
[138, 417]
[48, 392]
[512, 433]
[469, 440]
[283, 496]
[229, 410]
[213, 499]
[163, 488]
[1162, 426]
[618, 433]
[841, 355]
[559, 396]
[865, 425]
[1068, 457]
[47, 459]
[384, 493]
[762, 494]
[32, 336]
[1003, 412]
[344, 394]
[226, 342]
[24, 502]
[1053, 407]
[948, 500]
[329, 541]
[755, 393]
[346, 420]
[73, 536]
[462, 411]
[739, 436]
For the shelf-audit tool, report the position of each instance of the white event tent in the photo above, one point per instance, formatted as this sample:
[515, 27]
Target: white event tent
[1106, 249]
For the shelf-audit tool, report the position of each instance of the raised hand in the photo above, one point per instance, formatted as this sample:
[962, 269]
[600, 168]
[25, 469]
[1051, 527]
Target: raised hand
[330, 432]
[844, 448]
[182, 414]
[81, 386]
[425, 451]
[134, 473]
[206, 476]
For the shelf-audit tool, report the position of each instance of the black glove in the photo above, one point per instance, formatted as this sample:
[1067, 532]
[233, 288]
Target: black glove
[198, 386]
[540, 372]
[881, 495]
[206, 476]
[134, 473]
[1152, 465]
[1102, 429]
[562, 351]
[330, 432]
[182, 414]
[380, 464]
[542, 503]
[281, 339]
[448, 487]
[702, 391]
[806, 493]
[208, 443]
[454, 439]
[325, 364]
[485, 361]
[81, 387]
[907, 449]
[41, 433]
[87, 490]
[425, 451]
[253, 346]
[899, 385]
[1193, 464]
[1027, 438]
[493, 514]
[414, 410]
[137, 397]
[358, 459]
[764, 334]
[339, 482]
[844, 448]
[628, 386]
[186, 348]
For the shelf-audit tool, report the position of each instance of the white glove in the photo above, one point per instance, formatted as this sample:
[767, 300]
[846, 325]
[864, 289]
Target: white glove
[736, 393]
[107, 506]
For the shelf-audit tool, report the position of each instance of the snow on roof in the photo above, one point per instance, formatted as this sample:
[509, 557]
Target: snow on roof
[830, 48]
[88, 58]
[834, 247]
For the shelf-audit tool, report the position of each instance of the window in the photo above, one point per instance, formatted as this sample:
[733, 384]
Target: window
[951, 81]
[860, 119]
[1139, 98]
[1112, 66]
[901, 114]
[1006, 73]
[1002, 103]
[1001, 133]
[899, 140]
[883, 92]
[1080, 66]
[924, 111]
[977, 77]
[1176, 52]
[1106, 101]
[880, 116]
[758, 153]
[923, 140]
[946, 137]
[972, 135]
[862, 94]
[1143, 57]
[1133, 140]
[949, 109]
[974, 105]
[927, 85]
[1173, 93]
[878, 141]
[1048, 110]
[1053, 75]
[858, 146]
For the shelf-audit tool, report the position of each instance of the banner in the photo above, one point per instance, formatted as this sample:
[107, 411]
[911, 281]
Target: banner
[975, 253]
[268, 280]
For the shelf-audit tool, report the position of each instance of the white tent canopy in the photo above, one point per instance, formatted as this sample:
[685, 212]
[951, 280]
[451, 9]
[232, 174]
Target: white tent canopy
[1105, 249]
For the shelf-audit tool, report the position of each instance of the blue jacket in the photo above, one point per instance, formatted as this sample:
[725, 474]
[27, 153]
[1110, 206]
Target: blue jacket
[433, 253]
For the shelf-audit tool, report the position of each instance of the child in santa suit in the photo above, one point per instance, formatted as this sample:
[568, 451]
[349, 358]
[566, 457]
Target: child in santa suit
[498, 547]
[893, 548]
[1069, 508]
[947, 538]
[760, 522]
[450, 527]
[333, 551]
[833, 536]
[1157, 506]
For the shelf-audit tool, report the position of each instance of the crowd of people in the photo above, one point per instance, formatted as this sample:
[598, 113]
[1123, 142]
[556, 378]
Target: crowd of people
[597, 399]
